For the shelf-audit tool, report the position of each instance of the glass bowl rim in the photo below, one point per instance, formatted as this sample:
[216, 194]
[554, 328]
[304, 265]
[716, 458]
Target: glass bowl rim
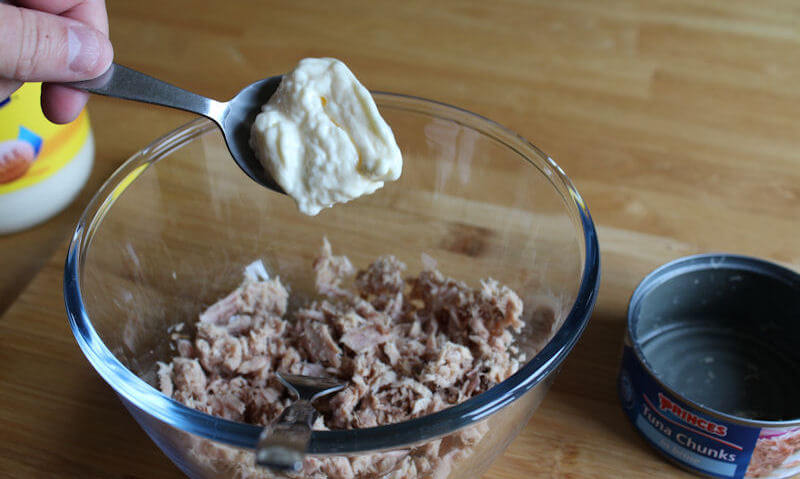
[138, 393]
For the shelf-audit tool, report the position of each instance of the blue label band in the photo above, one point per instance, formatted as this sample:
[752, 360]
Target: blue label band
[698, 441]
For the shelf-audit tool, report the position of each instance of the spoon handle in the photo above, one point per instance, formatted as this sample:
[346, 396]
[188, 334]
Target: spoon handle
[123, 82]
[283, 444]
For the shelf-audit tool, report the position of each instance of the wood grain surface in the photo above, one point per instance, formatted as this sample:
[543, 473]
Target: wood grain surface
[679, 122]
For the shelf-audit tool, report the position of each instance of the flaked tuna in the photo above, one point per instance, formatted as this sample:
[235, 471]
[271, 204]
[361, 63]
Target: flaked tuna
[406, 347]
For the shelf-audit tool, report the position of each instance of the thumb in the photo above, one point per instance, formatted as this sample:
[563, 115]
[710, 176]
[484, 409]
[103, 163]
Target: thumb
[37, 46]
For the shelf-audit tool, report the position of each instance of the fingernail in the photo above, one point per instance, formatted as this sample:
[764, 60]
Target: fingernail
[84, 49]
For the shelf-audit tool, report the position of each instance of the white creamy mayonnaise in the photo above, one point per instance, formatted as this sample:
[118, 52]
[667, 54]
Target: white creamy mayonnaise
[322, 138]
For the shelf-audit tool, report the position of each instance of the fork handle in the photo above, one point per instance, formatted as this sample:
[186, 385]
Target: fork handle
[126, 83]
[283, 444]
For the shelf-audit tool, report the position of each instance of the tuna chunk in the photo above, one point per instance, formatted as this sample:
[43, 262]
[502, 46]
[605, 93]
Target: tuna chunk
[331, 271]
[364, 339]
[382, 281]
[450, 366]
[318, 343]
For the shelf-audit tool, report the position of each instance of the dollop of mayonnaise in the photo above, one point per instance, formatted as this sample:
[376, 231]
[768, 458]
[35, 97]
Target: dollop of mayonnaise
[322, 138]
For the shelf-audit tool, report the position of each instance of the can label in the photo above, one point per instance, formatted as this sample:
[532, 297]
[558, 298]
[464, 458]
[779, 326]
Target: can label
[702, 442]
[695, 440]
[776, 454]
[31, 148]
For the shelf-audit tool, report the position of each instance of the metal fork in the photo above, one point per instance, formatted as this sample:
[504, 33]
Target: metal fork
[283, 444]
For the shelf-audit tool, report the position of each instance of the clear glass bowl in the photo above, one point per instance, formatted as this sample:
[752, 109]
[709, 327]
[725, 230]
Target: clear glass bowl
[171, 231]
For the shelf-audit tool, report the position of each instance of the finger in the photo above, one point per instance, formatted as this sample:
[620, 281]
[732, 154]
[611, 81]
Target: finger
[37, 46]
[56, 7]
[90, 12]
[7, 87]
[61, 104]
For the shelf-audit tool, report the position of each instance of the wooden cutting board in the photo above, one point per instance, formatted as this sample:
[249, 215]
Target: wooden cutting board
[679, 122]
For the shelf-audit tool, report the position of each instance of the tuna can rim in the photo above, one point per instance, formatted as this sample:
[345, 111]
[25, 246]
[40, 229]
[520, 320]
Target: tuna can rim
[688, 264]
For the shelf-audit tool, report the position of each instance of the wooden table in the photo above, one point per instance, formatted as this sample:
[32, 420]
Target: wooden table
[679, 122]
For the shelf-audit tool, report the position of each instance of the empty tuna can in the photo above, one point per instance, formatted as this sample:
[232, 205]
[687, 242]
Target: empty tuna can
[710, 372]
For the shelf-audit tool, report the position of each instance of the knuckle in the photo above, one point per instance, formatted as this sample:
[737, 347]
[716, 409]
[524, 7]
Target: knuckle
[29, 44]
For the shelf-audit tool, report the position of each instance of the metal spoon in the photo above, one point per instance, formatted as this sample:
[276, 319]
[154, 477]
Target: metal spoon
[233, 117]
[283, 444]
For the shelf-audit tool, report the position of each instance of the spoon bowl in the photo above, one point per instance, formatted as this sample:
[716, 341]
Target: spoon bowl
[233, 117]
[235, 123]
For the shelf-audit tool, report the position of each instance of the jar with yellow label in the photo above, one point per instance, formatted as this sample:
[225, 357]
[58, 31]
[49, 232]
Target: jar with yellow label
[43, 166]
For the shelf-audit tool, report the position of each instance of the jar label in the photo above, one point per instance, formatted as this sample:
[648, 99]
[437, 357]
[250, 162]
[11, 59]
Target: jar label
[31, 147]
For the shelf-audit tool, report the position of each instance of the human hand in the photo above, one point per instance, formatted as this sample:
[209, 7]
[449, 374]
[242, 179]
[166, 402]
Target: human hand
[53, 41]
